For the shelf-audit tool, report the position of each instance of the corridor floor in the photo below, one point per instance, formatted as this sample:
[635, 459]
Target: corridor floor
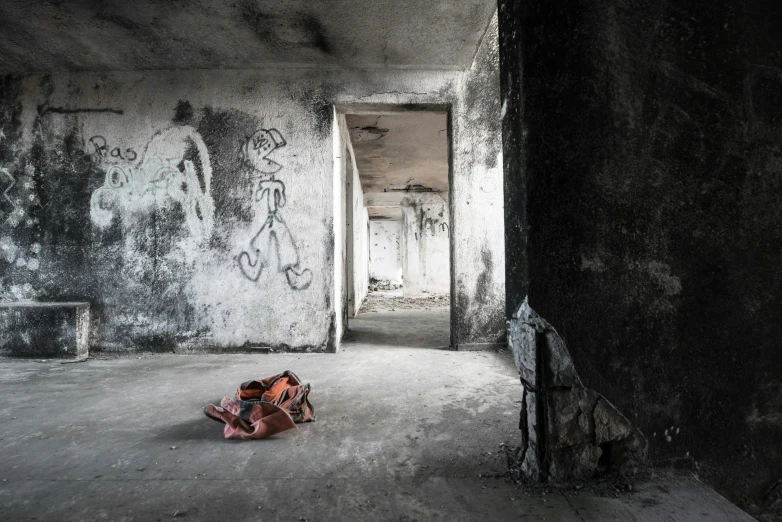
[403, 432]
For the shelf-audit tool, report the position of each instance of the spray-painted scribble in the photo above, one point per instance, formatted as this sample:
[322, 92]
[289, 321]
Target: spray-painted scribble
[273, 242]
[175, 164]
[45, 109]
[255, 150]
[99, 151]
[23, 201]
[11, 185]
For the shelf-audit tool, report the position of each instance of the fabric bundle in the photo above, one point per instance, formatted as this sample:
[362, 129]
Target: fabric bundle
[264, 408]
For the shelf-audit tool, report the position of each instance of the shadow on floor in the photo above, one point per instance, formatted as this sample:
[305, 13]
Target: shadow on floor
[402, 328]
[392, 339]
[199, 428]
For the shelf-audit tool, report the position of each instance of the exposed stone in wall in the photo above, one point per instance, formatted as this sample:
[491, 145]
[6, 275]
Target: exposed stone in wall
[568, 431]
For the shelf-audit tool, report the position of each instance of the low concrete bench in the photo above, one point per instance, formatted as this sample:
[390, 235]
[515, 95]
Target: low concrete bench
[33, 329]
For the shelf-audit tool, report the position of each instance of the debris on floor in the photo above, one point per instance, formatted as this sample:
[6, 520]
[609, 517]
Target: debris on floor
[264, 408]
[379, 301]
[380, 284]
[581, 433]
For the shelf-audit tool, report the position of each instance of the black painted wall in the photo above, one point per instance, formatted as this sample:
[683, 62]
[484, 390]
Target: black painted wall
[643, 166]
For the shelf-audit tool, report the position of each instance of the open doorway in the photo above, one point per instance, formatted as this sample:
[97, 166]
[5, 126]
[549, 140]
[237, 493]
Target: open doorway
[397, 234]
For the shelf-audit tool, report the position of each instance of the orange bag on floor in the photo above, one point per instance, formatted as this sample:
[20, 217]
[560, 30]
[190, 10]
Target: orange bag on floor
[264, 408]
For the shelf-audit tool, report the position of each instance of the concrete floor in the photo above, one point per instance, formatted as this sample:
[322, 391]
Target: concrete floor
[405, 431]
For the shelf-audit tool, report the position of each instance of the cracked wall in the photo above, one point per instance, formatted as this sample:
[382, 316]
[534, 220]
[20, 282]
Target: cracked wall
[569, 432]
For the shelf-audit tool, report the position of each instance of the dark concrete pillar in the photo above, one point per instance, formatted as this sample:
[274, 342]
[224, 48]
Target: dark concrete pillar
[642, 186]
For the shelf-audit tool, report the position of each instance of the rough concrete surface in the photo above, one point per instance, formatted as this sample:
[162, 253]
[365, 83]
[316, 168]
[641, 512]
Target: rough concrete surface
[477, 201]
[206, 34]
[568, 431]
[138, 193]
[390, 300]
[403, 432]
[401, 152]
[29, 329]
[643, 188]
[385, 260]
[425, 245]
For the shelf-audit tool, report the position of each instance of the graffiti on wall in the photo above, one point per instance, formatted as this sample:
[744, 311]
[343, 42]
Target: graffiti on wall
[173, 166]
[18, 193]
[273, 243]
[98, 151]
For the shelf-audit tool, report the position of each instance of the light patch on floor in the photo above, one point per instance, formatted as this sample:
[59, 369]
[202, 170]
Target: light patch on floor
[404, 431]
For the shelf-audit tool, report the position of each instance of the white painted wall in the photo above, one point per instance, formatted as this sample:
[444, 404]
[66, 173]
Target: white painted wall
[385, 261]
[426, 263]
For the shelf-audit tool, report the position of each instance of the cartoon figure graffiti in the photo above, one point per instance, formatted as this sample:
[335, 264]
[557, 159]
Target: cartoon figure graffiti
[173, 166]
[273, 242]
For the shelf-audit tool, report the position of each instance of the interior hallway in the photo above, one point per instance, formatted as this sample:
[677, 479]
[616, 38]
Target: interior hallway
[407, 432]
[388, 319]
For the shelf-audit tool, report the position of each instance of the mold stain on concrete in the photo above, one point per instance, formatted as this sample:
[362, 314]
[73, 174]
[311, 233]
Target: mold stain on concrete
[283, 33]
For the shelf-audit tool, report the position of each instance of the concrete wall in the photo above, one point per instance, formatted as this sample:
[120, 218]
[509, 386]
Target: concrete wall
[385, 250]
[341, 194]
[478, 247]
[153, 196]
[644, 188]
[361, 259]
[139, 192]
[425, 245]
[357, 227]
[477, 251]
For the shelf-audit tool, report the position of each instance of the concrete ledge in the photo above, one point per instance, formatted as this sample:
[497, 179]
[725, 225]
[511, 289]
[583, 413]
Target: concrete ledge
[34, 329]
[477, 347]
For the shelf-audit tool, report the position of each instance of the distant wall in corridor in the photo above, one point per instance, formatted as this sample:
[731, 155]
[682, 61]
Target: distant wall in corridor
[385, 263]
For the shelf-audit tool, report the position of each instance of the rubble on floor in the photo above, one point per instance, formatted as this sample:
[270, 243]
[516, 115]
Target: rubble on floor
[381, 284]
[379, 301]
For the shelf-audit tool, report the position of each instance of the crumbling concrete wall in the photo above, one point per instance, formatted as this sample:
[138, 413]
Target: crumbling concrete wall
[643, 192]
[478, 312]
[385, 252]
[190, 209]
[139, 193]
[425, 239]
[569, 432]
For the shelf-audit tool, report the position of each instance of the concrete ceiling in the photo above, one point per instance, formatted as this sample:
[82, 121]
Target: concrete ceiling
[397, 155]
[68, 35]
